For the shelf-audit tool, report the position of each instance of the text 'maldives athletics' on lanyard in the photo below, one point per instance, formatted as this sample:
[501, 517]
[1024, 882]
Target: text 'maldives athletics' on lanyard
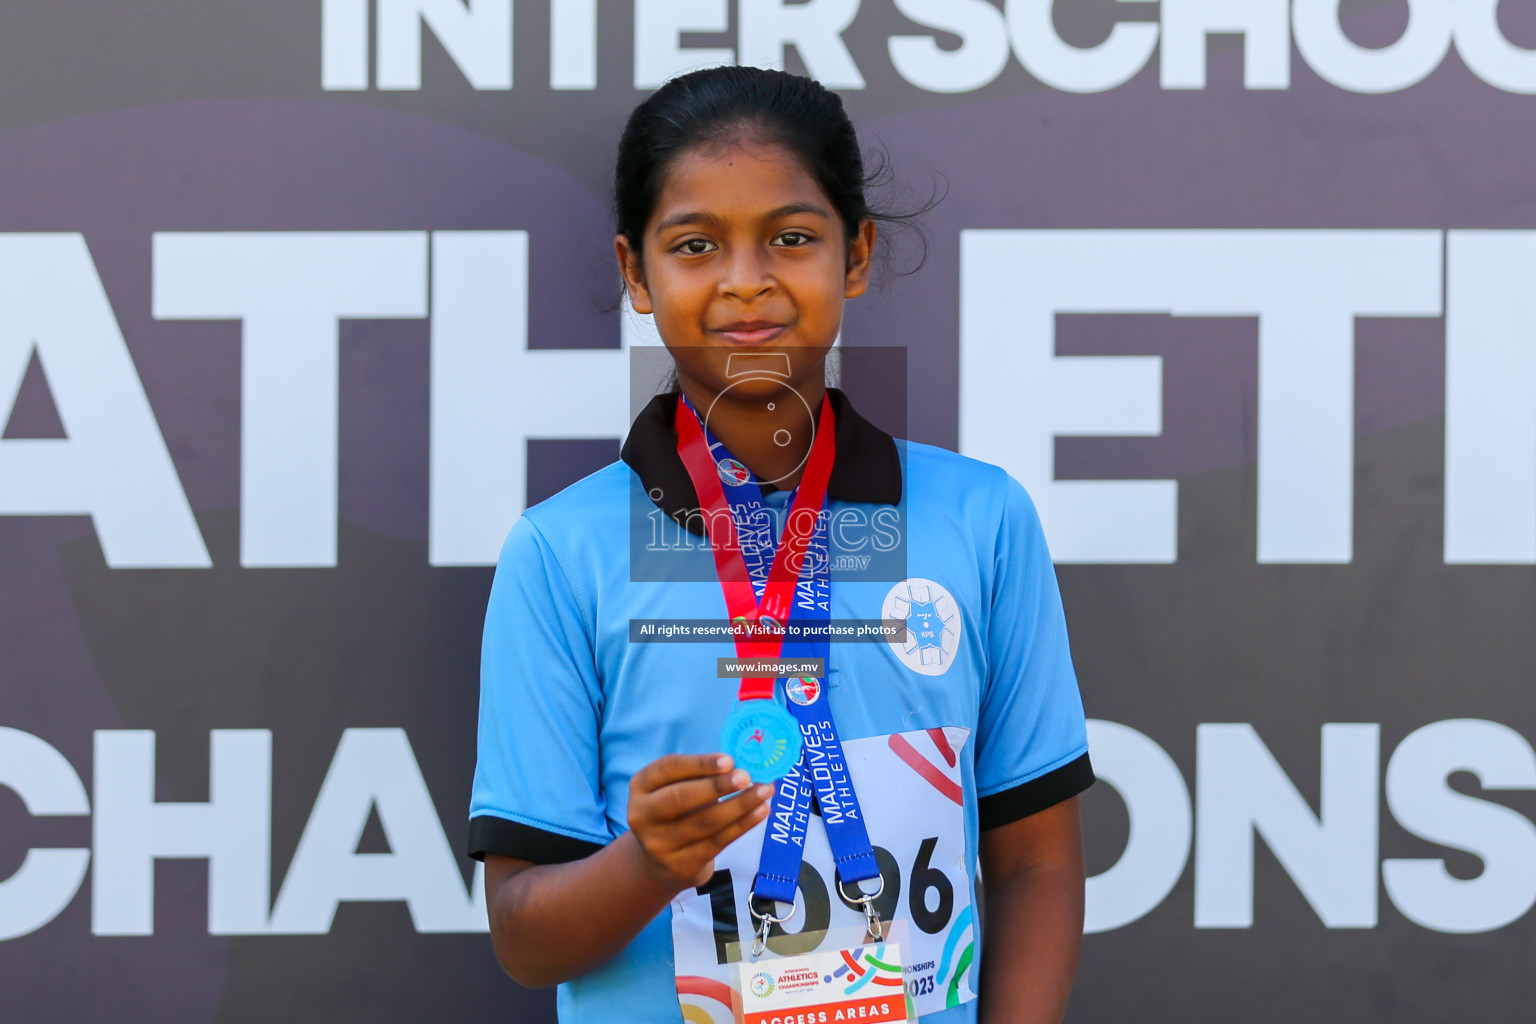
[800, 747]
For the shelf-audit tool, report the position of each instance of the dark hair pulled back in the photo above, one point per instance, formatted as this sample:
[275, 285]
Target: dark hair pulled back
[720, 105]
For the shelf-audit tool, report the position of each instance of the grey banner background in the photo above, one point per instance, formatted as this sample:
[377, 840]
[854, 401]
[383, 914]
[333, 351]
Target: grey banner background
[119, 119]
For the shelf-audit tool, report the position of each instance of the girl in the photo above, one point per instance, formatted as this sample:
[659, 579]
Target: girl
[630, 860]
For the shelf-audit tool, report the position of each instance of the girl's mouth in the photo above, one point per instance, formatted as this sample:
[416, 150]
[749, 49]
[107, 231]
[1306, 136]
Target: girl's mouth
[750, 332]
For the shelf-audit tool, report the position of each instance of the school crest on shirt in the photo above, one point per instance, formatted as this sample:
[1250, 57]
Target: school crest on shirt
[933, 625]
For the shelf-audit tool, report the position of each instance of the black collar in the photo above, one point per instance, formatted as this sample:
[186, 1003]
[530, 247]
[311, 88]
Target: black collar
[867, 468]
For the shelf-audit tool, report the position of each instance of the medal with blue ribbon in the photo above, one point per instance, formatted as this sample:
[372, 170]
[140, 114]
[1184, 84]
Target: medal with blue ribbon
[763, 738]
[760, 734]
[799, 747]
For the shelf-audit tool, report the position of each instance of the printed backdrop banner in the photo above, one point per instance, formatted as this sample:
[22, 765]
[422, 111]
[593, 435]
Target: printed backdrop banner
[302, 301]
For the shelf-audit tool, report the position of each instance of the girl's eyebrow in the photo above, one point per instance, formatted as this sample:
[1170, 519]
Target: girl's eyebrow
[678, 220]
[792, 209]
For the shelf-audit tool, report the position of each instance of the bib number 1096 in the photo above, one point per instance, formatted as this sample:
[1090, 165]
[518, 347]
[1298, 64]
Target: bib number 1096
[930, 902]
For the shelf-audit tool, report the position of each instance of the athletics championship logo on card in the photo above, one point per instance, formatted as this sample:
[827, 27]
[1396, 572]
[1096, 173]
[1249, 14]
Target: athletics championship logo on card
[762, 985]
[803, 691]
[933, 625]
[733, 472]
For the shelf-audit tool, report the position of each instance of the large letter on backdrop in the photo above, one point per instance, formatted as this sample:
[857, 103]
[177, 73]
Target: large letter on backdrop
[113, 466]
[1016, 395]
[813, 27]
[290, 290]
[1341, 61]
[1422, 801]
[344, 44]
[573, 44]
[1331, 857]
[1305, 288]
[233, 830]
[1061, 65]
[1488, 52]
[1265, 26]
[980, 57]
[491, 393]
[477, 37]
[659, 28]
[47, 880]
[375, 769]
[1157, 803]
[1490, 397]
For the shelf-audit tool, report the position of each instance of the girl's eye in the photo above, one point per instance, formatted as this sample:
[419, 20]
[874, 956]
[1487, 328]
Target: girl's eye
[695, 247]
[793, 239]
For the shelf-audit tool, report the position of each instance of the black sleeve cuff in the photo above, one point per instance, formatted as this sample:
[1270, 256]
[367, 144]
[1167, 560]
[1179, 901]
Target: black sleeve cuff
[1035, 795]
[490, 834]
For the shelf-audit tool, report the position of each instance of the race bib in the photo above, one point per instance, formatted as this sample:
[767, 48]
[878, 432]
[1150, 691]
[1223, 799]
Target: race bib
[909, 786]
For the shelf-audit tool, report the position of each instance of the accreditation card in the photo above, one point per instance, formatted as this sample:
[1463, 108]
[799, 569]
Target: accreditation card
[862, 983]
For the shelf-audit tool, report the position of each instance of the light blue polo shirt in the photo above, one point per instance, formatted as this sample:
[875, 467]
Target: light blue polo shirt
[975, 716]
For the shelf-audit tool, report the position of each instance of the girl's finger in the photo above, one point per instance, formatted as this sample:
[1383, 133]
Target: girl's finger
[709, 820]
[676, 767]
[681, 799]
[673, 838]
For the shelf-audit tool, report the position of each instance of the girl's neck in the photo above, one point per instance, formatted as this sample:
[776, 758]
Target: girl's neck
[753, 431]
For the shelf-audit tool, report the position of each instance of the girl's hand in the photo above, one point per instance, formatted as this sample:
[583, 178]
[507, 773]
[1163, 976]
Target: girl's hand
[554, 922]
[681, 823]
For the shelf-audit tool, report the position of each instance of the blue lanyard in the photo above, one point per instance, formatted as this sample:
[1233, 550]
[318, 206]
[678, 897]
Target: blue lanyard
[820, 778]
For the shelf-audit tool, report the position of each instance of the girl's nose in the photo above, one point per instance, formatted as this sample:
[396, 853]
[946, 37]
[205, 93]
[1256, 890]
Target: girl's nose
[746, 275]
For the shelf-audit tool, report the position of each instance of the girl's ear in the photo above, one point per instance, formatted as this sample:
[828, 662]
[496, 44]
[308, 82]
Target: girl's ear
[633, 273]
[861, 255]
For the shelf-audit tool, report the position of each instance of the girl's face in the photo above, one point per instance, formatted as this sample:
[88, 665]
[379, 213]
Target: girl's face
[745, 253]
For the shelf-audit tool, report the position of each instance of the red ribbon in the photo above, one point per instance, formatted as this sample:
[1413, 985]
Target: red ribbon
[741, 603]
